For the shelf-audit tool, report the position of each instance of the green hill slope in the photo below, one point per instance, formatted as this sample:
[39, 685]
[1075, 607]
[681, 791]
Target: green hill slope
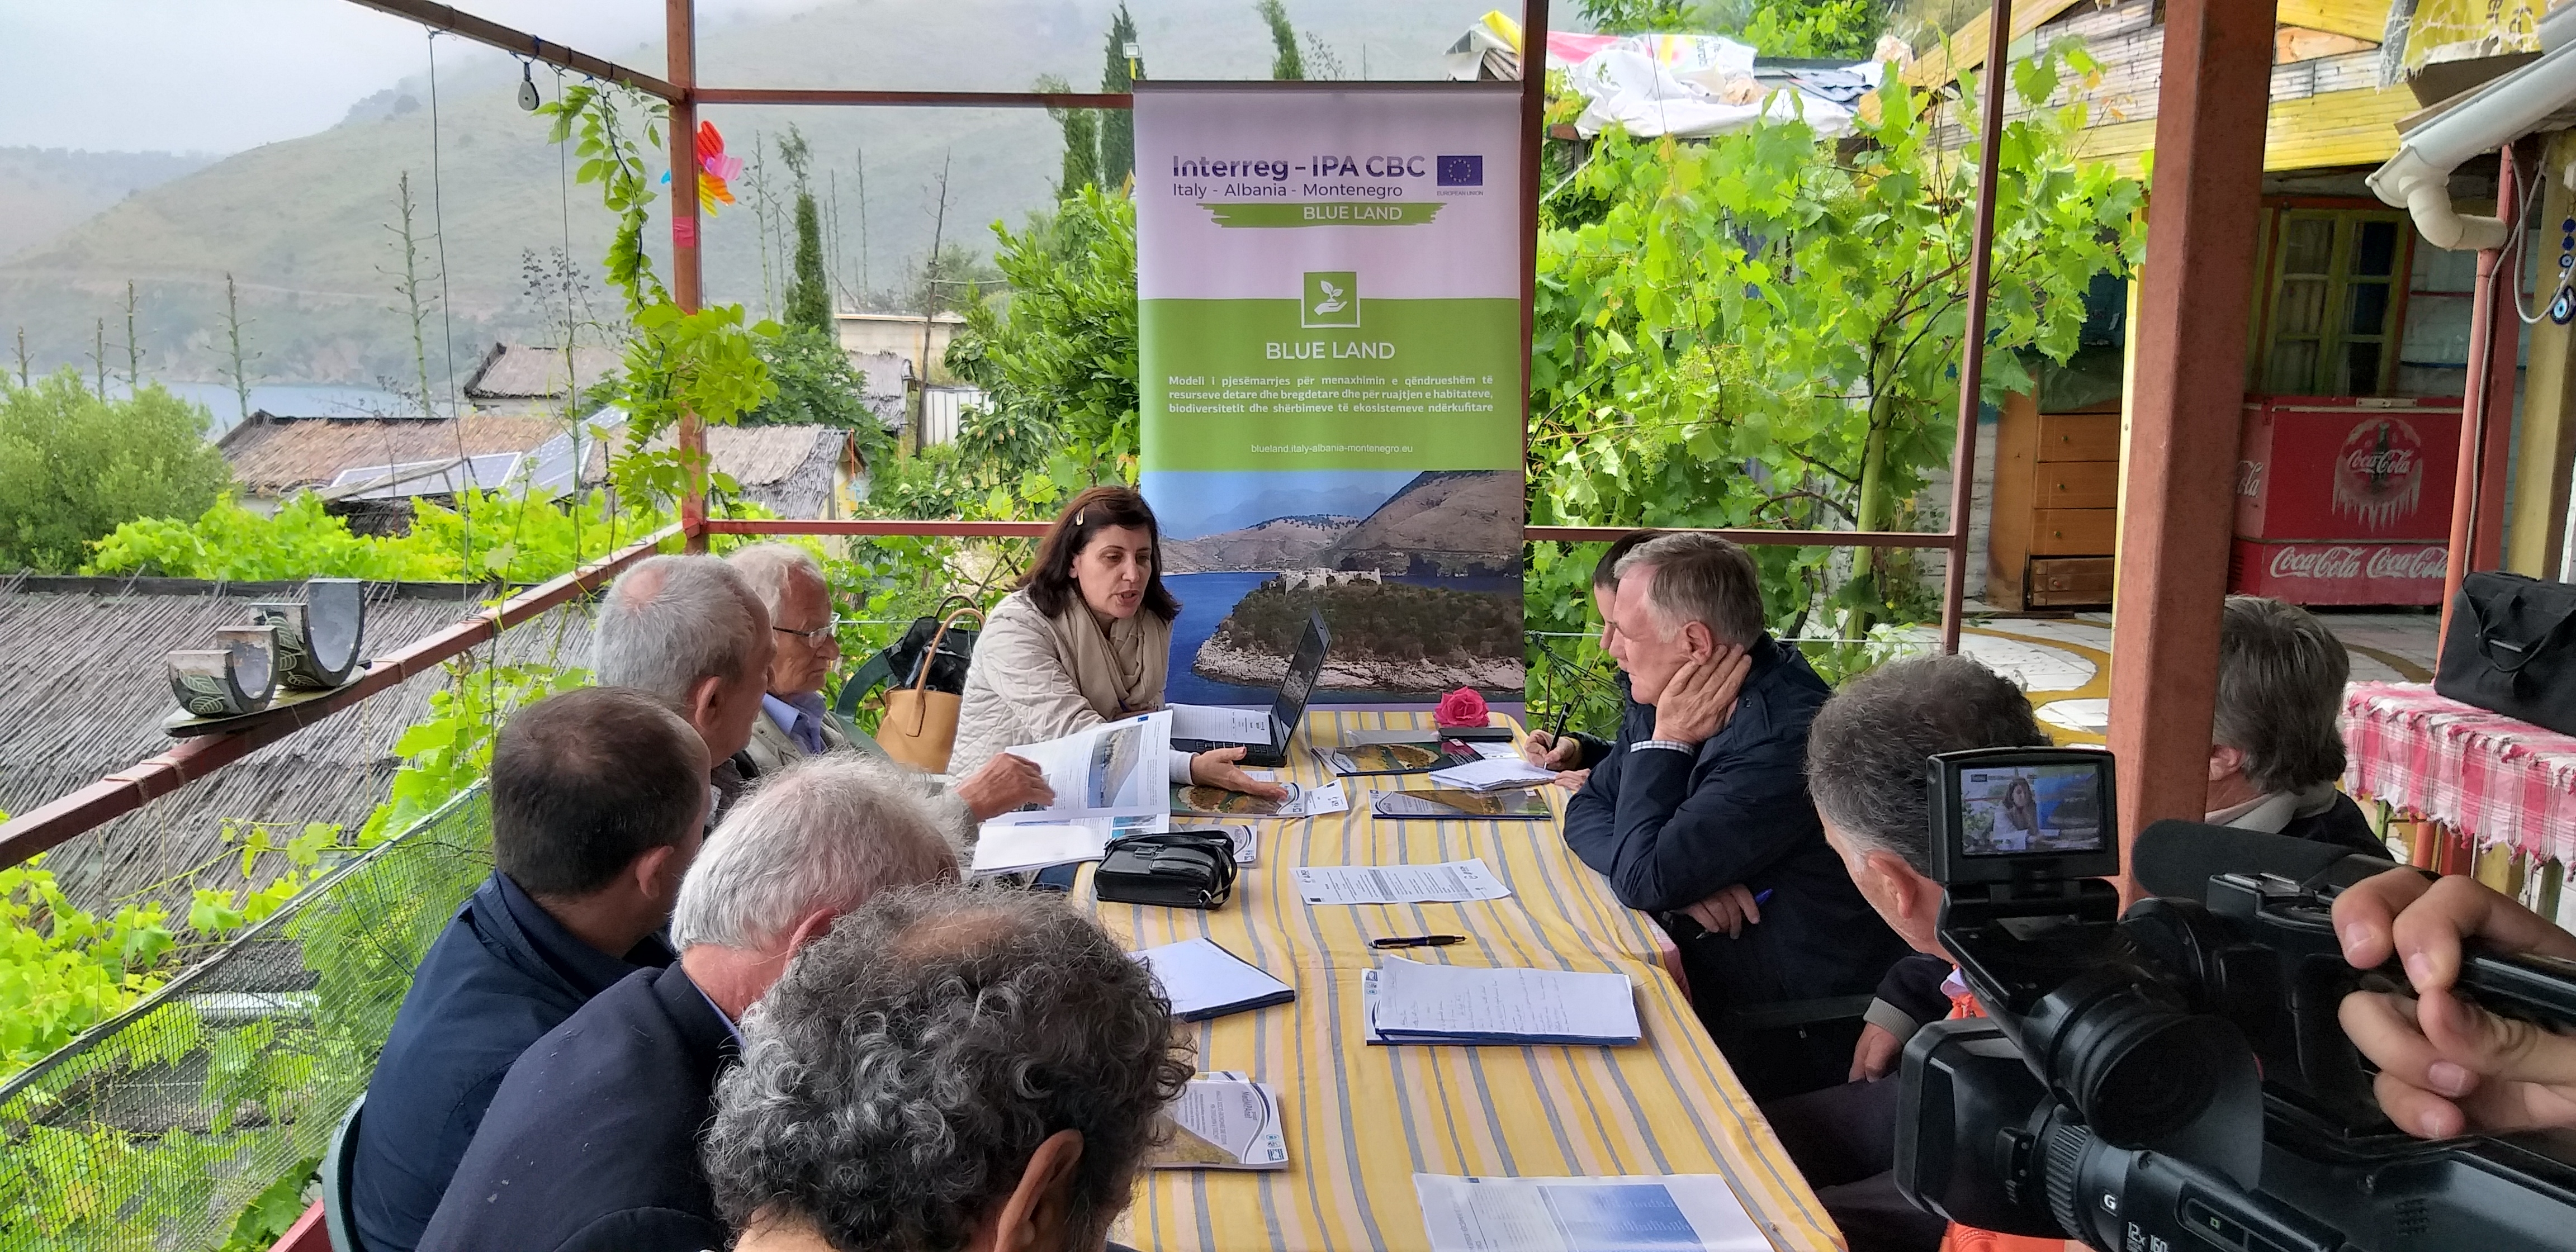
[302, 224]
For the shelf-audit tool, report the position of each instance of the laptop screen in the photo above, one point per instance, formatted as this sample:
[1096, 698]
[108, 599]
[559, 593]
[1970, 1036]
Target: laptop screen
[1299, 682]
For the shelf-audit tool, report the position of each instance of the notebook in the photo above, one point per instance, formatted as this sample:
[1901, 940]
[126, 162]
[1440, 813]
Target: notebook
[1414, 1002]
[1203, 980]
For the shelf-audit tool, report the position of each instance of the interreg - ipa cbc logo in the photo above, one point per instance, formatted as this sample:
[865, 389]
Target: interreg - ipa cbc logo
[1332, 299]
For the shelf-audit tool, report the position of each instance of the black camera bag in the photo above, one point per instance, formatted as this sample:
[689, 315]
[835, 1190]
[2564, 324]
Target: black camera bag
[2511, 649]
[1181, 869]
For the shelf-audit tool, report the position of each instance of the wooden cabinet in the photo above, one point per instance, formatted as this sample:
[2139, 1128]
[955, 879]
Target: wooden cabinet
[2056, 508]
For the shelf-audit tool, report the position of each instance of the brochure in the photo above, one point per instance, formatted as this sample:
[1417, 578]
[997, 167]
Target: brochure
[1219, 802]
[1118, 769]
[1365, 759]
[1449, 805]
[1224, 1120]
[1672, 1213]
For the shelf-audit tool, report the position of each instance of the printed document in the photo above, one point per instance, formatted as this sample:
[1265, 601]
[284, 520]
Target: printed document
[1119, 769]
[1224, 1120]
[1446, 882]
[1496, 773]
[1420, 1001]
[1673, 1213]
[1219, 724]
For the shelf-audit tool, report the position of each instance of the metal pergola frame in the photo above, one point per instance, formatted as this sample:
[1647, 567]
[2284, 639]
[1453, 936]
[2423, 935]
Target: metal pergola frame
[51, 824]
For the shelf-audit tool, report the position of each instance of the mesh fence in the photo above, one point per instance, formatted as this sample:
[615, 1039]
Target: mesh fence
[211, 1103]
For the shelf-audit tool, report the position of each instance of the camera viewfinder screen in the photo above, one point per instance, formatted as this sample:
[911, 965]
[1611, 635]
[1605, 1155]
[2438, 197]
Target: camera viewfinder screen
[2018, 809]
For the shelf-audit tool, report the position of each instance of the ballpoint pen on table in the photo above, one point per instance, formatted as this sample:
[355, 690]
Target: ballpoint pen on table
[1417, 941]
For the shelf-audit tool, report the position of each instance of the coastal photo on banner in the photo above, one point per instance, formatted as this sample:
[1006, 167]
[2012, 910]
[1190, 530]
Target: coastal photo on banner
[1328, 290]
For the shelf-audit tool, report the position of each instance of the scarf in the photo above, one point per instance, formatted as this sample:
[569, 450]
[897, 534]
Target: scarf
[1120, 670]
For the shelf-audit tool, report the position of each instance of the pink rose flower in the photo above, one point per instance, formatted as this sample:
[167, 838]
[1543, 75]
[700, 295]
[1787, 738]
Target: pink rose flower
[1462, 707]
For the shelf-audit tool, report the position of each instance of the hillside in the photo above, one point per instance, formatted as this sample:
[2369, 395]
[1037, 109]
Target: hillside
[1277, 544]
[1461, 522]
[302, 224]
[45, 191]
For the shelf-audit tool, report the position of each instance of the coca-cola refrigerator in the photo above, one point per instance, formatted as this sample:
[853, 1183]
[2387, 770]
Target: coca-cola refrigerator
[2343, 500]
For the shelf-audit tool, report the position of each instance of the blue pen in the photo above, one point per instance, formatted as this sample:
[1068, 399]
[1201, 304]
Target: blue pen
[1761, 897]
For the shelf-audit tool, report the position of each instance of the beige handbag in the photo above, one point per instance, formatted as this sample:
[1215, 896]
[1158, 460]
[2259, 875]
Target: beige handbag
[920, 725]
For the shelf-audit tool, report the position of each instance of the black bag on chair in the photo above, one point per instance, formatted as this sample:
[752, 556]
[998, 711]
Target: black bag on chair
[2511, 649]
[900, 663]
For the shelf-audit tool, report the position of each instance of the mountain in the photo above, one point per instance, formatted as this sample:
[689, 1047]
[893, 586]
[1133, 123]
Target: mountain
[1444, 522]
[1277, 544]
[45, 191]
[303, 225]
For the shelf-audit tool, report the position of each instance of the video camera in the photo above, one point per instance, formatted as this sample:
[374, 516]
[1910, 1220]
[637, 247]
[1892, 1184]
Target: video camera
[2177, 1078]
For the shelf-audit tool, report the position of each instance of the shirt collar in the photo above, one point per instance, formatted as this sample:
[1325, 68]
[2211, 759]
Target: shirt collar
[588, 970]
[718, 1010]
[801, 716]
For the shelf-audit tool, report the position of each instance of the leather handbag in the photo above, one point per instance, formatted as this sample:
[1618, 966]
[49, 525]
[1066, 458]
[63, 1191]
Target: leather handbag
[1181, 869]
[2511, 649]
[920, 723]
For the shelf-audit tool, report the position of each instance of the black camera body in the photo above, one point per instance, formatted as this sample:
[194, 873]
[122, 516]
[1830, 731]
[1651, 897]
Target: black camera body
[2178, 1077]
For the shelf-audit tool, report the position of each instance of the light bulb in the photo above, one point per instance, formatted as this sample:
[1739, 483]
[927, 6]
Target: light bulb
[527, 87]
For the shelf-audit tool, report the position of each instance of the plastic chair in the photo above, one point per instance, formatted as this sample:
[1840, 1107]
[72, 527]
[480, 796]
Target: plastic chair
[336, 1219]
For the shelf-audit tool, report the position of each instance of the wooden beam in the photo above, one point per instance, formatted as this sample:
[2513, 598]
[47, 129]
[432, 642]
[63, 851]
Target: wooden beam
[2365, 20]
[680, 24]
[935, 99]
[2547, 441]
[2177, 504]
[1533, 148]
[878, 528]
[2477, 478]
[2504, 374]
[1972, 336]
[1966, 48]
[126, 790]
[465, 25]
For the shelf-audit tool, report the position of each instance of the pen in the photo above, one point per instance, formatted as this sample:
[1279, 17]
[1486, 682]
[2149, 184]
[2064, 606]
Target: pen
[1762, 897]
[1417, 941]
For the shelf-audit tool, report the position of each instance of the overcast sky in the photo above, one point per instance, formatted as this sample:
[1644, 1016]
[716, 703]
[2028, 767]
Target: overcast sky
[224, 75]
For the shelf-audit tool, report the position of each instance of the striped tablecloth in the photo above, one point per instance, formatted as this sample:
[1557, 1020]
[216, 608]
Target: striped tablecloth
[2490, 777]
[1361, 1121]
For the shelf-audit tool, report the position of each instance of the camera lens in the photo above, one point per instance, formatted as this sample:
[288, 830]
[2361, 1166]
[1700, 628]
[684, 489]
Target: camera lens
[2139, 1071]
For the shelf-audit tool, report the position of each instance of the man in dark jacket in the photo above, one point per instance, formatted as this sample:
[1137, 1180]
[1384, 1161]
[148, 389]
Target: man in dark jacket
[598, 796]
[2276, 744]
[1699, 813]
[592, 1142]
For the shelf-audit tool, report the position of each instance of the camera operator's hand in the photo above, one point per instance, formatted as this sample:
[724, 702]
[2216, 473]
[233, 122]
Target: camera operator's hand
[1726, 913]
[1875, 1055]
[2448, 1067]
[1699, 698]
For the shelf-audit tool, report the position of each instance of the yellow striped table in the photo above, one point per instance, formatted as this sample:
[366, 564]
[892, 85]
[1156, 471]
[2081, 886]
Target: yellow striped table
[1361, 1120]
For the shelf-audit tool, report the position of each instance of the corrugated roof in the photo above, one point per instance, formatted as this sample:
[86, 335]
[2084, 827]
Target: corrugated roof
[518, 371]
[789, 468]
[280, 457]
[82, 691]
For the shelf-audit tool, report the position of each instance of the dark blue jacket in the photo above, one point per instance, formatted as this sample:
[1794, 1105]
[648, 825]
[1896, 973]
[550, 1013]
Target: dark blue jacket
[501, 975]
[592, 1143]
[1670, 829]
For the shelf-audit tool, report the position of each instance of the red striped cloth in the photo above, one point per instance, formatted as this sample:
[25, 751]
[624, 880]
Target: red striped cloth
[2490, 777]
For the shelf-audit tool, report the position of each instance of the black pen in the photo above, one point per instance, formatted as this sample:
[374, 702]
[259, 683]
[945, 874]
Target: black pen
[1417, 941]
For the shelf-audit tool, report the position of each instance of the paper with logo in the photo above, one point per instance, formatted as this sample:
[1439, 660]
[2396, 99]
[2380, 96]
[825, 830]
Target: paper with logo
[1330, 358]
[1224, 1120]
[1445, 883]
[1669, 1213]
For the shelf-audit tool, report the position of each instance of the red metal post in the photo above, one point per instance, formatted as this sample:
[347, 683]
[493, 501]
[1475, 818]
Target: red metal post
[1533, 148]
[680, 23]
[1972, 340]
[2188, 391]
[2477, 496]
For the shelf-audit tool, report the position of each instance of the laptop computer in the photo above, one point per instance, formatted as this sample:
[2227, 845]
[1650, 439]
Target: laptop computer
[1288, 709]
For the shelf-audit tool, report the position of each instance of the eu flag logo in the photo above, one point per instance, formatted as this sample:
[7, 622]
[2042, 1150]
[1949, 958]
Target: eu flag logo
[1462, 171]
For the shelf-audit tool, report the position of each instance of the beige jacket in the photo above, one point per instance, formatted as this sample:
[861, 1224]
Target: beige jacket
[1021, 687]
[772, 749]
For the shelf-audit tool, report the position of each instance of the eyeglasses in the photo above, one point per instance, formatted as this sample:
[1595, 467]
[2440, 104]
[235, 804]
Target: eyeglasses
[824, 631]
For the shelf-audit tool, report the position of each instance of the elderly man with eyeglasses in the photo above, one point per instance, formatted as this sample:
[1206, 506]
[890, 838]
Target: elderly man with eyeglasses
[790, 583]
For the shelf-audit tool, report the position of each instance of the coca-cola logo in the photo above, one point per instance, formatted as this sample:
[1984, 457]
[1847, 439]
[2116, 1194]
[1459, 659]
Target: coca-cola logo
[2379, 472]
[2343, 561]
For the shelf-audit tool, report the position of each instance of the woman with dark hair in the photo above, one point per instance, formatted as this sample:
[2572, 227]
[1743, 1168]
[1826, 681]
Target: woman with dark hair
[1084, 640]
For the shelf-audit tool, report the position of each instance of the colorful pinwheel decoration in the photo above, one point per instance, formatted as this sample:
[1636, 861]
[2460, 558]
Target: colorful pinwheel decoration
[714, 167]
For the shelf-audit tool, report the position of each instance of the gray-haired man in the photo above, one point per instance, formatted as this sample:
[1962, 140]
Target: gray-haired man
[2276, 748]
[592, 1139]
[687, 631]
[790, 584]
[949, 1068]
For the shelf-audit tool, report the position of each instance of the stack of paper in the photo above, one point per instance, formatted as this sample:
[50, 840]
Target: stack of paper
[1224, 1120]
[1672, 1213]
[1414, 1002]
[1203, 980]
[1501, 773]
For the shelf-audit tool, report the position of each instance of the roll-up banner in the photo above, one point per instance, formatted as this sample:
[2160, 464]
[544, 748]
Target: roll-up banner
[1328, 292]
